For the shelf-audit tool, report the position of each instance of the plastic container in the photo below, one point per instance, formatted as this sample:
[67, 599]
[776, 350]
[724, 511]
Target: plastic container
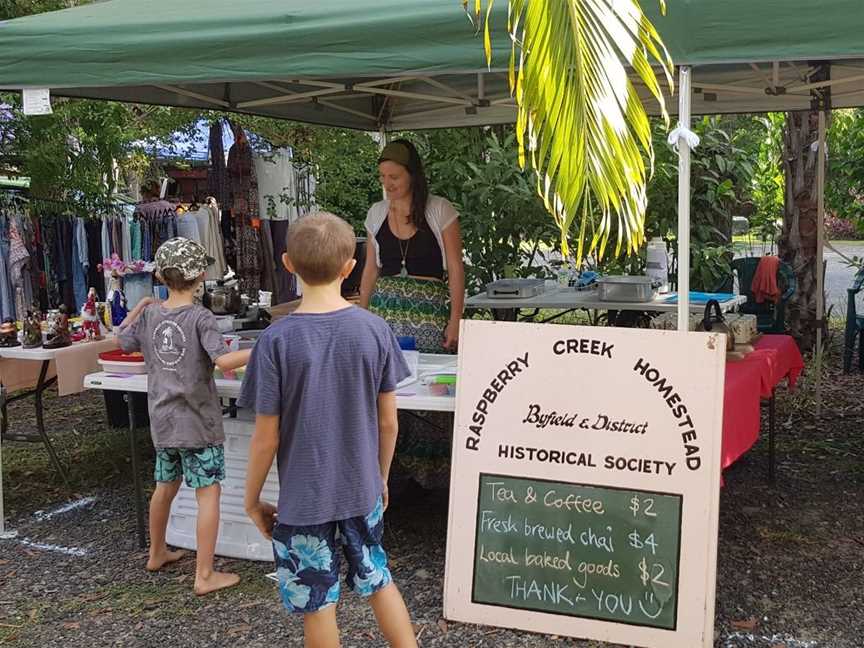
[625, 289]
[657, 264]
[407, 342]
[119, 362]
[238, 536]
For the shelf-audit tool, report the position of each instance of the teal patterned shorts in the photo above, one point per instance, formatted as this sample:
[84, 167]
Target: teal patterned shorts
[307, 560]
[201, 467]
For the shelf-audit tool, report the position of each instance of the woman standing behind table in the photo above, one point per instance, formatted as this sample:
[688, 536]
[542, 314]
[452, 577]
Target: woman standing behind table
[413, 277]
[415, 280]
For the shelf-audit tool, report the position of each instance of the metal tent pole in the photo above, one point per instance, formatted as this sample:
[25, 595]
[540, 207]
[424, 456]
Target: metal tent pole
[684, 97]
[820, 275]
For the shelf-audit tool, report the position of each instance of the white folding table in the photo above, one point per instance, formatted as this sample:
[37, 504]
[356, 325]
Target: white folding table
[567, 299]
[416, 396]
[44, 356]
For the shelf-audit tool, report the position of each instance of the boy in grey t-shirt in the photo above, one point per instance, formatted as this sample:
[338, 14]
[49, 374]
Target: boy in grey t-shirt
[181, 343]
[322, 382]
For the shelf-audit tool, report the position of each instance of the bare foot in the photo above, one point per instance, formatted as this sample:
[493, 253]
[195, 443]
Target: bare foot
[216, 581]
[158, 561]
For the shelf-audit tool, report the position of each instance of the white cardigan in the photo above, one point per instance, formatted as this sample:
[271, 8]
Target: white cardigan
[440, 214]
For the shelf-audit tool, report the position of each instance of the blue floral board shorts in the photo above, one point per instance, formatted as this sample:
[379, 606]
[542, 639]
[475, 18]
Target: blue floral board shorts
[307, 560]
[201, 467]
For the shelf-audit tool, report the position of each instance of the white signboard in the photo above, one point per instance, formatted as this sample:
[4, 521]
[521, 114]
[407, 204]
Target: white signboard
[585, 482]
[37, 101]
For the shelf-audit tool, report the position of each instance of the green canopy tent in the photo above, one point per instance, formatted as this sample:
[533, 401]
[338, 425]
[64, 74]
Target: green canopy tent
[401, 64]
[408, 64]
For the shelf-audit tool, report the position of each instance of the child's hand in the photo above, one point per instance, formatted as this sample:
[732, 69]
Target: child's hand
[263, 514]
[385, 496]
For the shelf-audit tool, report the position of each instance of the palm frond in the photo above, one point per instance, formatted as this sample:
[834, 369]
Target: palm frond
[580, 120]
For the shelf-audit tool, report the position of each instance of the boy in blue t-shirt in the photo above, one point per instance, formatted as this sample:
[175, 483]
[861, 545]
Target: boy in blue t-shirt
[322, 382]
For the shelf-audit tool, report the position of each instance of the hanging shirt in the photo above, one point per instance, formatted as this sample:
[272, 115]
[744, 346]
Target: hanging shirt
[277, 193]
[187, 227]
[106, 239]
[81, 242]
[7, 302]
[135, 239]
[207, 218]
[125, 237]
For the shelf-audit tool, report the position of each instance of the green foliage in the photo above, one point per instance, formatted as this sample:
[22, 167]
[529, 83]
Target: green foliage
[769, 179]
[844, 187]
[581, 124]
[76, 147]
[503, 220]
[16, 8]
[721, 176]
[346, 172]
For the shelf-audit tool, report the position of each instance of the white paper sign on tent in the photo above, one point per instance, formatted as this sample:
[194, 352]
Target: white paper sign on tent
[585, 482]
[37, 101]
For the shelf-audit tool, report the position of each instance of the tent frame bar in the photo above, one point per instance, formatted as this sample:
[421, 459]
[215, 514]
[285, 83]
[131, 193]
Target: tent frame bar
[291, 97]
[826, 84]
[194, 95]
[443, 86]
[412, 95]
[453, 97]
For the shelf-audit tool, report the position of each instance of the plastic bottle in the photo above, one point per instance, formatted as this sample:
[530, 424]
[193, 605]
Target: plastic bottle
[657, 266]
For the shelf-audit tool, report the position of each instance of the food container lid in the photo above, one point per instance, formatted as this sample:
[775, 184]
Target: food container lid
[118, 355]
[626, 279]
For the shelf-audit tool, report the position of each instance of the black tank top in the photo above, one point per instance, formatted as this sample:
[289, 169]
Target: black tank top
[422, 253]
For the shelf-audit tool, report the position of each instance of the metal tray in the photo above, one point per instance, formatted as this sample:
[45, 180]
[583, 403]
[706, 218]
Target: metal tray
[625, 289]
[514, 288]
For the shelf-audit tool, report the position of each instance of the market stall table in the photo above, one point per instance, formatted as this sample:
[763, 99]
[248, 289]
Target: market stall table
[34, 370]
[774, 358]
[748, 382]
[415, 397]
[568, 299]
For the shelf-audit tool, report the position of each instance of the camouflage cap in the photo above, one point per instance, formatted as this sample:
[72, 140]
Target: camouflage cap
[184, 255]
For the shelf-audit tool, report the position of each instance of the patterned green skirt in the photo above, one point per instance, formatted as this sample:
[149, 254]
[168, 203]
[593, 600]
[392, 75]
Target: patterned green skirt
[420, 309]
[414, 307]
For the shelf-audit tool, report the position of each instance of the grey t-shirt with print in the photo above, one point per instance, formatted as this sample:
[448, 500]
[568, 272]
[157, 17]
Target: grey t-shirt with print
[179, 347]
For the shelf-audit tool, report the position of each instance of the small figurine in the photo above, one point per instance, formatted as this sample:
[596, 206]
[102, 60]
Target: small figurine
[104, 312]
[117, 301]
[92, 328]
[9, 333]
[32, 331]
[58, 329]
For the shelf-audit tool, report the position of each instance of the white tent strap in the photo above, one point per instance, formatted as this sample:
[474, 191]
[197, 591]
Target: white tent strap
[681, 132]
[814, 146]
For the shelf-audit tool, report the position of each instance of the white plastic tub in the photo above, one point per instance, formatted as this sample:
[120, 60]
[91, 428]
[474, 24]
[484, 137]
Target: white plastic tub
[110, 366]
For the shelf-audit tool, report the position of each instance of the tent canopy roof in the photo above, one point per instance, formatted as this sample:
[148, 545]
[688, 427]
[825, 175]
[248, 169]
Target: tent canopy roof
[402, 64]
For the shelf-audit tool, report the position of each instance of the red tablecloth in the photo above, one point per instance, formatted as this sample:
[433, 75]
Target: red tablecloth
[781, 355]
[774, 358]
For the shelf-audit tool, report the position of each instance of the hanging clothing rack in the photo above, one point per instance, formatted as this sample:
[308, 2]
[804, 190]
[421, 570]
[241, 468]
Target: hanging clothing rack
[83, 207]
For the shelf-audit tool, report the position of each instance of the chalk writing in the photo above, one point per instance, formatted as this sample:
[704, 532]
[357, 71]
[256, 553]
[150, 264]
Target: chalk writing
[580, 550]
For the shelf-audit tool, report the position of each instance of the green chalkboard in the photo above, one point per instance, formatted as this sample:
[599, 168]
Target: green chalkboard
[578, 550]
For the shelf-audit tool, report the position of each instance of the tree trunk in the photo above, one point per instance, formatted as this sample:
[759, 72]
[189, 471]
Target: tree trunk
[797, 244]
